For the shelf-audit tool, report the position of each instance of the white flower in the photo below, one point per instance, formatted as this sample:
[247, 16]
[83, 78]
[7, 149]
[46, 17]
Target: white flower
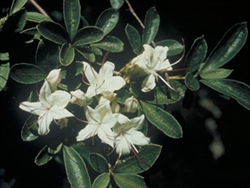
[126, 134]
[104, 81]
[131, 105]
[51, 106]
[100, 121]
[150, 62]
[54, 78]
[77, 97]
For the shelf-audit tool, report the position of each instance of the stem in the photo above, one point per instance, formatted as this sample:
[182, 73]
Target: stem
[39, 8]
[136, 17]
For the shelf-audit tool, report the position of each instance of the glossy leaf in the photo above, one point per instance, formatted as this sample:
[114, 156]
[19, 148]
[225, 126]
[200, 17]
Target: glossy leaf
[152, 23]
[16, 6]
[196, 54]
[53, 32]
[25, 73]
[17, 21]
[231, 43]
[4, 69]
[67, 54]
[124, 180]
[116, 4]
[28, 129]
[36, 17]
[134, 38]
[98, 162]
[75, 168]
[88, 35]
[101, 181]
[174, 47]
[110, 43]
[108, 20]
[96, 51]
[191, 82]
[232, 88]
[163, 120]
[89, 56]
[43, 157]
[72, 15]
[216, 73]
[142, 162]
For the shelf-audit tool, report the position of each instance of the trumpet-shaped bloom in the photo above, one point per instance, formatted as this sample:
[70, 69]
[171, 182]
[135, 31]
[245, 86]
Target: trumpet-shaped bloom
[150, 62]
[104, 81]
[100, 121]
[127, 134]
[51, 106]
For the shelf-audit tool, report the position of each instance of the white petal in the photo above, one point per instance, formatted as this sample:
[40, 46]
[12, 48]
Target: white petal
[60, 99]
[114, 83]
[92, 115]
[91, 74]
[60, 113]
[106, 70]
[106, 135]
[44, 122]
[122, 146]
[137, 122]
[92, 91]
[148, 83]
[160, 53]
[36, 108]
[44, 94]
[54, 78]
[104, 111]
[89, 131]
[138, 138]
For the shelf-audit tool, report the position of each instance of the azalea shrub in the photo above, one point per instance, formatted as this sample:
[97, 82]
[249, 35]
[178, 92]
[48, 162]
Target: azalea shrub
[102, 118]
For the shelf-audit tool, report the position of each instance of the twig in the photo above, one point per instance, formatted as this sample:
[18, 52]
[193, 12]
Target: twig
[39, 8]
[136, 17]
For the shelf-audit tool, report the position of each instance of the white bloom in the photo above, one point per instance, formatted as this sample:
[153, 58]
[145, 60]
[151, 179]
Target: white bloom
[51, 106]
[152, 61]
[104, 81]
[77, 97]
[100, 121]
[131, 105]
[54, 78]
[126, 134]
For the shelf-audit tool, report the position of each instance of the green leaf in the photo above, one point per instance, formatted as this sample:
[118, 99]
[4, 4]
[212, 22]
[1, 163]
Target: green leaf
[232, 88]
[98, 162]
[89, 56]
[96, 51]
[101, 181]
[67, 54]
[53, 32]
[19, 18]
[196, 54]
[174, 47]
[25, 73]
[43, 157]
[75, 168]
[230, 44]
[216, 73]
[72, 16]
[88, 35]
[134, 38]
[163, 120]
[37, 17]
[16, 6]
[28, 129]
[110, 43]
[108, 20]
[122, 96]
[191, 82]
[116, 4]
[152, 23]
[4, 69]
[124, 180]
[142, 162]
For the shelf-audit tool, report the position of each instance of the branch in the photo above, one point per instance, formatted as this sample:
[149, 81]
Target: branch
[39, 8]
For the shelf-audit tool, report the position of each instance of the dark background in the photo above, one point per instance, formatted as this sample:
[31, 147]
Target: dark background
[186, 162]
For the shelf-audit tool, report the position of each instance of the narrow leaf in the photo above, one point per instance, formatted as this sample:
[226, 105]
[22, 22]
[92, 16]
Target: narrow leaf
[108, 20]
[88, 35]
[72, 16]
[163, 120]
[232, 88]
[231, 43]
[134, 38]
[152, 23]
[25, 73]
[98, 162]
[17, 5]
[124, 180]
[28, 129]
[53, 32]
[191, 82]
[216, 73]
[174, 47]
[116, 4]
[110, 43]
[196, 54]
[43, 157]
[75, 168]
[66, 54]
[4, 69]
[101, 181]
[142, 162]
[37, 17]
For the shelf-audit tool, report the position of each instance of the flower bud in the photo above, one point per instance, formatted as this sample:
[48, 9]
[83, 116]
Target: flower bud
[77, 97]
[54, 78]
[131, 105]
